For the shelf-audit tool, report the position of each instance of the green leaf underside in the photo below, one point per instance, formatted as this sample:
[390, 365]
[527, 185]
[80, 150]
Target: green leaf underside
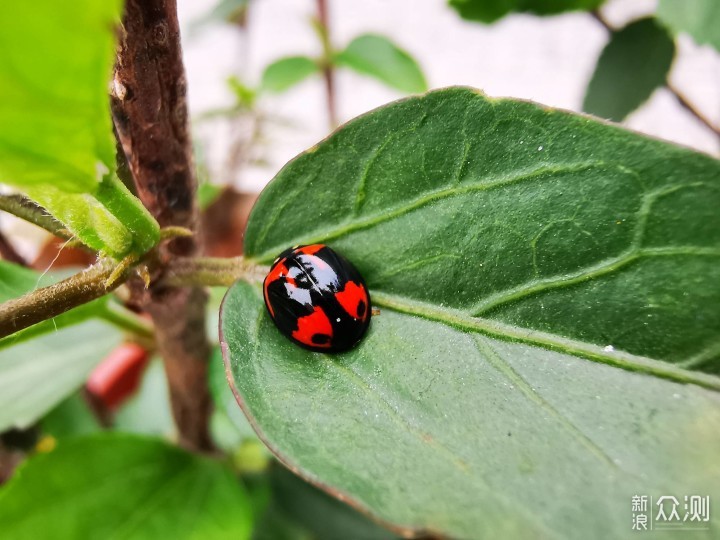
[36, 374]
[54, 111]
[378, 57]
[16, 280]
[285, 73]
[699, 18]
[56, 142]
[520, 256]
[123, 486]
[634, 63]
[429, 427]
[489, 11]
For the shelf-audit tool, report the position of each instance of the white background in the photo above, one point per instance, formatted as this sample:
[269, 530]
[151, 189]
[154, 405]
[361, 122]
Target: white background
[549, 60]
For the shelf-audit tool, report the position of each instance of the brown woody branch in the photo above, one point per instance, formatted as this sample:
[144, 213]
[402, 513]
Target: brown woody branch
[150, 113]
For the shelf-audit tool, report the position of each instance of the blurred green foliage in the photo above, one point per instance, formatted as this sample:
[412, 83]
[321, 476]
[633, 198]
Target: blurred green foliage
[635, 62]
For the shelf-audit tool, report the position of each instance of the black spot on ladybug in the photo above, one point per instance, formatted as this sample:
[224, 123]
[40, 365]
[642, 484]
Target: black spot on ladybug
[320, 339]
[317, 298]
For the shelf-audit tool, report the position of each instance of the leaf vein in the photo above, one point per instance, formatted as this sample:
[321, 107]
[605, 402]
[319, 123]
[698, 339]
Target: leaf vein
[433, 196]
[605, 267]
[619, 359]
[506, 369]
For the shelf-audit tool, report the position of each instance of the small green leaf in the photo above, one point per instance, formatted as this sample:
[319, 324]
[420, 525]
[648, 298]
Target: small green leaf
[123, 486]
[699, 18]
[547, 343]
[378, 57]
[225, 11]
[285, 73]
[634, 63]
[86, 218]
[208, 194]
[488, 11]
[245, 95]
[129, 211]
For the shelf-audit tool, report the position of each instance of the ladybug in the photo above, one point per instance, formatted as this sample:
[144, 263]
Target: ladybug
[317, 298]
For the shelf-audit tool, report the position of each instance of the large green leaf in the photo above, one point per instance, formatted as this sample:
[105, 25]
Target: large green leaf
[56, 141]
[634, 63]
[488, 11]
[121, 486]
[378, 57]
[699, 18]
[550, 295]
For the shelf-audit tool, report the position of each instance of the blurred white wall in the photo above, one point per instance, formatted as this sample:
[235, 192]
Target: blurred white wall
[548, 60]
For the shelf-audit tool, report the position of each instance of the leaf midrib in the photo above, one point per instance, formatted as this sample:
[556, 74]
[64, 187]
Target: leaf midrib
[505, 332]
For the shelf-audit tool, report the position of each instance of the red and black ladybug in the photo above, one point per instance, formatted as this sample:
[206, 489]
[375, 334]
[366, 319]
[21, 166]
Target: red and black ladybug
[317, 298]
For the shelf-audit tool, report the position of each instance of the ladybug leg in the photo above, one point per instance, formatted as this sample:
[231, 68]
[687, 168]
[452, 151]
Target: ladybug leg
[375, 312]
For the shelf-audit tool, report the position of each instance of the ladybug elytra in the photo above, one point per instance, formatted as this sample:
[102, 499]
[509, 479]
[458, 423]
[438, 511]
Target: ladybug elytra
[317, 298]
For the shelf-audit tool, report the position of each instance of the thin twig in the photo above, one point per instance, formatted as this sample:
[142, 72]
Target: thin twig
[48, 302]
[599, 17]
[28, 210]
[682, 100]
[691, 108]
[323, 27]
[211, 271]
